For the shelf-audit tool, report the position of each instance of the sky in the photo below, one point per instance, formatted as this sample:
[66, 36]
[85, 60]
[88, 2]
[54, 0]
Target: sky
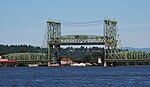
[24, 21]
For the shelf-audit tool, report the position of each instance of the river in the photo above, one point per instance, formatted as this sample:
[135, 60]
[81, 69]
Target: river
[95, 76]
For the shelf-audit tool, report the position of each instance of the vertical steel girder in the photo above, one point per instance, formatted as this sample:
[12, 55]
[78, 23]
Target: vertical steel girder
[53, 36]
[110, 33]
[111, 36]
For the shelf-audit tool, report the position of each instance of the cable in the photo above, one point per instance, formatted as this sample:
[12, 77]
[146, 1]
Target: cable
[80, 24]
[89, 23]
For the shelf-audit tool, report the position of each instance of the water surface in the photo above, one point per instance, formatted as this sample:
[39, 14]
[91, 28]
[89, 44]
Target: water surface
[127, 76]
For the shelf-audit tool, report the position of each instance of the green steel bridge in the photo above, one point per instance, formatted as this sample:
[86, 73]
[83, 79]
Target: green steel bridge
[109, 39]
[111, 57]
[27, 58]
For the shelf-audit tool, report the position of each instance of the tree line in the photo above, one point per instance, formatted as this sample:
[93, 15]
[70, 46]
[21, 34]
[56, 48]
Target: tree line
[19, 49]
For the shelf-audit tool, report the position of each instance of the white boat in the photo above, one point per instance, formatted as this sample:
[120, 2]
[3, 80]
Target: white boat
[33, 65]
[78, 64]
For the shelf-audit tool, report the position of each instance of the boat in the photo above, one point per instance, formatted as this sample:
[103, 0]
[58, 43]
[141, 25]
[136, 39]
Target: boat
[6, 60]
[78, 64]
[33, 65]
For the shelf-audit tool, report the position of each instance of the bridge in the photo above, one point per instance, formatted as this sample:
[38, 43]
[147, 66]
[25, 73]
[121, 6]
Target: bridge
[109, 39]
[55, 40]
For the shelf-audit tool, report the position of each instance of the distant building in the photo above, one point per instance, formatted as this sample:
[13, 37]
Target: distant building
[65, 61]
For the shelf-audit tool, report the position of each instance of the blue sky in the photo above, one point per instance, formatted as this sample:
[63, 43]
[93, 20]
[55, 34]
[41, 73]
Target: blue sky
[24, 21]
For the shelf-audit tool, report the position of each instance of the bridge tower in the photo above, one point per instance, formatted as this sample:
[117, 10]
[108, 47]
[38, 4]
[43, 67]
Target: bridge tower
[111, 36]
[110, 33]
[53, 40]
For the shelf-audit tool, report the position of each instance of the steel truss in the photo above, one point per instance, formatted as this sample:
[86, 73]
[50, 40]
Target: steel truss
[27, 58]
[125, 55]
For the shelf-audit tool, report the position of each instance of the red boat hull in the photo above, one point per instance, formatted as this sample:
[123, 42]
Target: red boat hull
[6, 61]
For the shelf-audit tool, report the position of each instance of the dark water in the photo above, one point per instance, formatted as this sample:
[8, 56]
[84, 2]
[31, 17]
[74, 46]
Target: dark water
[137, 76]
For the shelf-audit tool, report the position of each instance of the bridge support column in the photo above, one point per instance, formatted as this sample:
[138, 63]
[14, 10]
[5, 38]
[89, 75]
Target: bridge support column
[53, 55]
[103, 57]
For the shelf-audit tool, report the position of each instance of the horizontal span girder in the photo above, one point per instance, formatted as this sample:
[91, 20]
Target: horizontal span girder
[77, 40]
[72, 43]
